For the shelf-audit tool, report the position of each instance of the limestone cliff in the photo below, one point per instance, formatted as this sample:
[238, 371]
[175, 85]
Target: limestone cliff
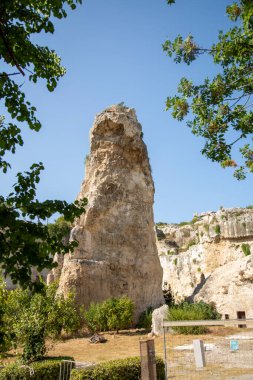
[210, 258]
[117, 253]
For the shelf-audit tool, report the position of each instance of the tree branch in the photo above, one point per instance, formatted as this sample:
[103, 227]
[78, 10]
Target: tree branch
[11, 54]
[239, 138]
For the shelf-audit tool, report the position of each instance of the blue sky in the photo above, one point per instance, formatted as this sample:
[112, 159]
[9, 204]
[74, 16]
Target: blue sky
[112, 52]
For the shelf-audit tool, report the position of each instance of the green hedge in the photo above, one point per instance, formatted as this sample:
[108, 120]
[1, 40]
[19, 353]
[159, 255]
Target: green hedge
[44, 370]
[121, 369]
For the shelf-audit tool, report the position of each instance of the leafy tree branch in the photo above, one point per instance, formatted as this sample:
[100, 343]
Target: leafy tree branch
[223, 104]
[26, 241]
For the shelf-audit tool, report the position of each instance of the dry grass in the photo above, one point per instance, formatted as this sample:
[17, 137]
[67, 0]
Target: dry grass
[220, 364]
[120, 345]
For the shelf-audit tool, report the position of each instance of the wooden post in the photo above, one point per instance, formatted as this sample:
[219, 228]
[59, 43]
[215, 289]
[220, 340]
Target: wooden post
[148, 362]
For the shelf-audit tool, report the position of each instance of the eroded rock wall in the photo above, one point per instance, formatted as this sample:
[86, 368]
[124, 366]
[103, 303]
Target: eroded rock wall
[117, 253]
[210, 258]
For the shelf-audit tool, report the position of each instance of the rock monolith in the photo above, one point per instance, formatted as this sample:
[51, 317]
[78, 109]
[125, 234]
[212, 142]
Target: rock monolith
[117, 253]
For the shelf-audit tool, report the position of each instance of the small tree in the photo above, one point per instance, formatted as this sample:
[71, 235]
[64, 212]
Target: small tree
[32, 318]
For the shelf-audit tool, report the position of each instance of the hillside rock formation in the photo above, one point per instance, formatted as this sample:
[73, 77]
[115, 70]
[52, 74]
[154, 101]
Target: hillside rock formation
[210, 259]
[117, 253]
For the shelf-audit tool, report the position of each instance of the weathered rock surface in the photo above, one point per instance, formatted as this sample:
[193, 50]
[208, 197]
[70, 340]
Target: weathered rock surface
[117, 253]
[158, 316]
[206, 259]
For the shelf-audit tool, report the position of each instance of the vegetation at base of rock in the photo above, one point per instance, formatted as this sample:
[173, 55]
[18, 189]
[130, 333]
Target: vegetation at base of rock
[221, 106]
[43, 370]
[217, 229]
[112, 314]
[246, 249]
[120, 369]
[29, 319]
[186, 311]
[145, 319]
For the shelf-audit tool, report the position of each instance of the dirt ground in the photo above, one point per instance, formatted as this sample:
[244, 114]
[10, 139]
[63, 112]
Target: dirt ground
[121, 345]
[221, 362]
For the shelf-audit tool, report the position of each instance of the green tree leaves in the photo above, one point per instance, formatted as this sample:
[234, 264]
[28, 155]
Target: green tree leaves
[25, 239]
[220, 109]
[30, 318]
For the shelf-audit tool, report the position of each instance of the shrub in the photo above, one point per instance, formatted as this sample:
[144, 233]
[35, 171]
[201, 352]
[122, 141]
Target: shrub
[30, 318]
[192, 311]
[171, 253]
[217, 229]
[60, 227]
[112, 314]
[145, 319]
[246, 249]
[194, 219]
[160, 234]
[44, 370]
[120, 369]
[191, 243]
[181, 224]
[168, 296]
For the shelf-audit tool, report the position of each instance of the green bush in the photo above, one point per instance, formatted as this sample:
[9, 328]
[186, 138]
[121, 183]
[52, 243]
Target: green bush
[121, 369]
[112, 314]
[145, 319]
[44, 370]
[192, 311]
[217, 229]
[246, 249]
[30, 318]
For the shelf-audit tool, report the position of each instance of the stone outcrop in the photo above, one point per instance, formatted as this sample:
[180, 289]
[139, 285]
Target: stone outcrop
[210, 258]
[117, 253]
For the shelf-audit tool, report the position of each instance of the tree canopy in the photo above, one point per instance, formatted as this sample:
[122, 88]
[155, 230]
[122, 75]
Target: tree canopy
[25, 239]
[220, 108]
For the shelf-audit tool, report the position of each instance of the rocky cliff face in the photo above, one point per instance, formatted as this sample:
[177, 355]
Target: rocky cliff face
[117, 253]
[210, 258]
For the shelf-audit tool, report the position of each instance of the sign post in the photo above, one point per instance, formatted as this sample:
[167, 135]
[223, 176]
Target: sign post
[148, 362]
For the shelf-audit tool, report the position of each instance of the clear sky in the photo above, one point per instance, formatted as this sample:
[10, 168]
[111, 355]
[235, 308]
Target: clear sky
[112, 52]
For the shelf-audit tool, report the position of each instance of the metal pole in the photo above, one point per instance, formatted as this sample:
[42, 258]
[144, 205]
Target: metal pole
[60, 371]
[165, 353]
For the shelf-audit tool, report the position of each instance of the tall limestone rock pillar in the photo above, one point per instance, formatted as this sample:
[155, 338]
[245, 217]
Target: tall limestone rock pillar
[117, 252]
